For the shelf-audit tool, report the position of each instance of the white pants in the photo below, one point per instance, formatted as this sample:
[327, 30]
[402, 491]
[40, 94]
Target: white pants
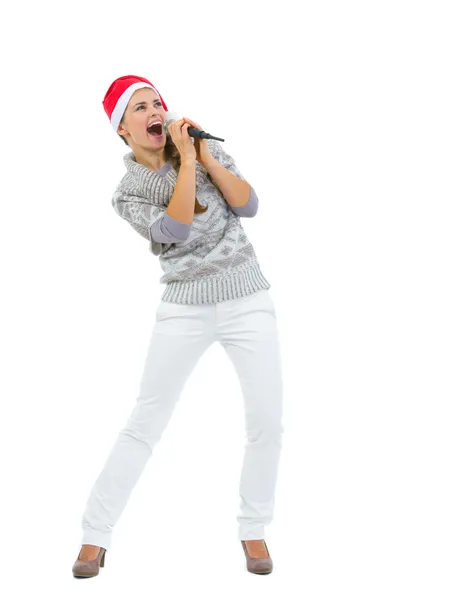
[247, 328]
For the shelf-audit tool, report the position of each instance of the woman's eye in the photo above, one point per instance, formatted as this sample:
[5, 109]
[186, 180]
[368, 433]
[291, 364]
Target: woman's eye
[141, 106]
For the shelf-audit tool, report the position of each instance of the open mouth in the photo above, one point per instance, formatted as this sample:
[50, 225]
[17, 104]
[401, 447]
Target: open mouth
[155, 130]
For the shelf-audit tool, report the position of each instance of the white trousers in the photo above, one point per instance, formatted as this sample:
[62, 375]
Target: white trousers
[247, 328]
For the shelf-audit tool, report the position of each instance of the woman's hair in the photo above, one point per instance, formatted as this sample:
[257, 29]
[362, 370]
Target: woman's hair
[173, 155]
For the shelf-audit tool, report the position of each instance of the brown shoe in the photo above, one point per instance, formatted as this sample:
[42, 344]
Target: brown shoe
[89, 568]
[260, 566]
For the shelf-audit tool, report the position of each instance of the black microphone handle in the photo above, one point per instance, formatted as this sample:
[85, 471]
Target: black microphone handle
[193, 132]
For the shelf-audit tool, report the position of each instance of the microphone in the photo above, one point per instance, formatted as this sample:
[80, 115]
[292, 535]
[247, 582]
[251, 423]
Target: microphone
[192, 131]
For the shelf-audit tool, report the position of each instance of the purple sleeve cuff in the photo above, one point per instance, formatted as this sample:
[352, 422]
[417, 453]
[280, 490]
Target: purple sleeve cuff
[250, 208]
[168, 230]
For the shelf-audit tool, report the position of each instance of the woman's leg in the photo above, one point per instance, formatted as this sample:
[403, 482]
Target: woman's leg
[247, 329]
[180, 336]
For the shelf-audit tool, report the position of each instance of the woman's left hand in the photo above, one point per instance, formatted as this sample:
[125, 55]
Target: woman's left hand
[202, 150]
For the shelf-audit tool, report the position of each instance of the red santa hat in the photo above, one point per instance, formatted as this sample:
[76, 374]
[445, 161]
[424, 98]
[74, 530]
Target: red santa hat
[119, 93]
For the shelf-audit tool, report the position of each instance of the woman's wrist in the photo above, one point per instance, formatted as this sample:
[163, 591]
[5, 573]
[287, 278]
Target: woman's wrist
[188, 160]
[208, 161]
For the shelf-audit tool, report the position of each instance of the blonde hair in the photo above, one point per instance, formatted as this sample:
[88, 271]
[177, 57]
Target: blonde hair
[172, 154]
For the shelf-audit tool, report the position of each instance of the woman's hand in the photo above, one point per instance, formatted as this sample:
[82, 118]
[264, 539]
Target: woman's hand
[179, 133]
[202, 149]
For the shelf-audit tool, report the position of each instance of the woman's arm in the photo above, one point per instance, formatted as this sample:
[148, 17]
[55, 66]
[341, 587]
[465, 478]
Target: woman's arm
[181, 205]
[237, 192]
[150, 220]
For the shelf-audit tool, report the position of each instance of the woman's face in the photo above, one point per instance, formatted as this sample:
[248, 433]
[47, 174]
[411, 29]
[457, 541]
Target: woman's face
[142, 110]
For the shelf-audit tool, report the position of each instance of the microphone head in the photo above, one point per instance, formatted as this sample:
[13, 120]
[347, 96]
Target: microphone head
[169, 117]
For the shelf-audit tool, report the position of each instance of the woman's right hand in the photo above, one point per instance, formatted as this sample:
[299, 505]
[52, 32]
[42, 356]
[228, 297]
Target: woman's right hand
[179, 133]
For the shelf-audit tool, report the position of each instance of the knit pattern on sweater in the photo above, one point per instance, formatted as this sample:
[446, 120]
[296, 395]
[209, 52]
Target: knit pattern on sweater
[217, 261]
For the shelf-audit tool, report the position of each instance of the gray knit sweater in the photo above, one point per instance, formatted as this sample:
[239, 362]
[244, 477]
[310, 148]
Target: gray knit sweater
[210, 260]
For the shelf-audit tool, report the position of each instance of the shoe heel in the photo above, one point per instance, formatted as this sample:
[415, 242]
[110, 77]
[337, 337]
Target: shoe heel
[102, 560]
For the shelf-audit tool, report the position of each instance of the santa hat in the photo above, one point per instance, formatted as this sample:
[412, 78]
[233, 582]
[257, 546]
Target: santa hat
[119, 93]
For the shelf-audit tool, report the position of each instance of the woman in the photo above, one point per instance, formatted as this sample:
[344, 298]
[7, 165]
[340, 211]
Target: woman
[187, 199]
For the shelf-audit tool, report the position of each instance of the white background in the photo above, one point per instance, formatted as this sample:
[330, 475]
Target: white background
[348, 119]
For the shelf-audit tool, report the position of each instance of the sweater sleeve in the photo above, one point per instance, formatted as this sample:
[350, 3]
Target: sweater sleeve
[227, 161]
[151, 221]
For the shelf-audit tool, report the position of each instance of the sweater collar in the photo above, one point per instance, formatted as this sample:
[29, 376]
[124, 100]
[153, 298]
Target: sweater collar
[148, 181]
